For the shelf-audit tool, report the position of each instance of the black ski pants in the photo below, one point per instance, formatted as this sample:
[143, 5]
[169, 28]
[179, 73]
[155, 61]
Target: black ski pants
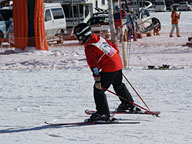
[108, 78]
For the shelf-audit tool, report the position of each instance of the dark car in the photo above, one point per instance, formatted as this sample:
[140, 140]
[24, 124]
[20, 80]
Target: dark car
[99, 23]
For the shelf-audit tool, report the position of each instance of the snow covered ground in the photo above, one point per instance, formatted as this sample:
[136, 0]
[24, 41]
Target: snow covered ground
[57, 86]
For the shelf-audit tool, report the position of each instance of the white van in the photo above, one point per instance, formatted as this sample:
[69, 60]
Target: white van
[55, 21]
[160, 6]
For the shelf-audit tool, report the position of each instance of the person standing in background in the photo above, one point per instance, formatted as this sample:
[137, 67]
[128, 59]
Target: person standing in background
[118, 23]
[175, 20]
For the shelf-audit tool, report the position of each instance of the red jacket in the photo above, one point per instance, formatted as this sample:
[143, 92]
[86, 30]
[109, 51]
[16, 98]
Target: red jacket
[97, 58]
[175, 17]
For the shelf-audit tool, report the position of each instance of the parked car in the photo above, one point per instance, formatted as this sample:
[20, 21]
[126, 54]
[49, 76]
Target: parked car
[99, 23]
[184, 6]
[160, 6]
[55, 21]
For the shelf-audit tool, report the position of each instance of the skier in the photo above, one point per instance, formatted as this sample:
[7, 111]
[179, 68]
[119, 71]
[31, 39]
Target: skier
[175, 20]
[106, 65]
[117, 18]
[117, 21]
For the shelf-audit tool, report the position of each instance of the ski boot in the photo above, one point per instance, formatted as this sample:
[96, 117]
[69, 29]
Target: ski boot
[125, 107]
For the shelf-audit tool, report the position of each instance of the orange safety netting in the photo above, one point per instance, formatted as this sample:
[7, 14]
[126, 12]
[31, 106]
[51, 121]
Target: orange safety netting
[39, 26]
[20, 20]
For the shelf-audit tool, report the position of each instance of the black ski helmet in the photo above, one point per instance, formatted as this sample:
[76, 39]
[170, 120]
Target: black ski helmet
[83, 32]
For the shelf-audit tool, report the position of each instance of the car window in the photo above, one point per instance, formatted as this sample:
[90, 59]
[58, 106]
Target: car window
[159, 3]
[98, 20]
[57, 13]
[105, 19]
[86, 10]
[47, 15]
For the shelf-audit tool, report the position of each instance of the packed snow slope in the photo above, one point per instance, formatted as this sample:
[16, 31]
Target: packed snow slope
[57, 86]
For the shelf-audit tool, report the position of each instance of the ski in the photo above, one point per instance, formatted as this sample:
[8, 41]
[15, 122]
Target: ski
[156, 113]
[90, 123]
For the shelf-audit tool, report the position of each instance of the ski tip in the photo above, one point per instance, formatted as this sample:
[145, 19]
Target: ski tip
[46, 122]
[153, 113]
[157, 114]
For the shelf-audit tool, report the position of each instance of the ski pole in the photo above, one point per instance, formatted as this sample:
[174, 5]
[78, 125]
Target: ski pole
[131, 102]
[136, 92]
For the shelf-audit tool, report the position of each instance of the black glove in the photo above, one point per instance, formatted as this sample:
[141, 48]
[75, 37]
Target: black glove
[98, 82]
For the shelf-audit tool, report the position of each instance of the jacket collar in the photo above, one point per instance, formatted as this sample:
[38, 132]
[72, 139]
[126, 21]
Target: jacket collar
[94, 39]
